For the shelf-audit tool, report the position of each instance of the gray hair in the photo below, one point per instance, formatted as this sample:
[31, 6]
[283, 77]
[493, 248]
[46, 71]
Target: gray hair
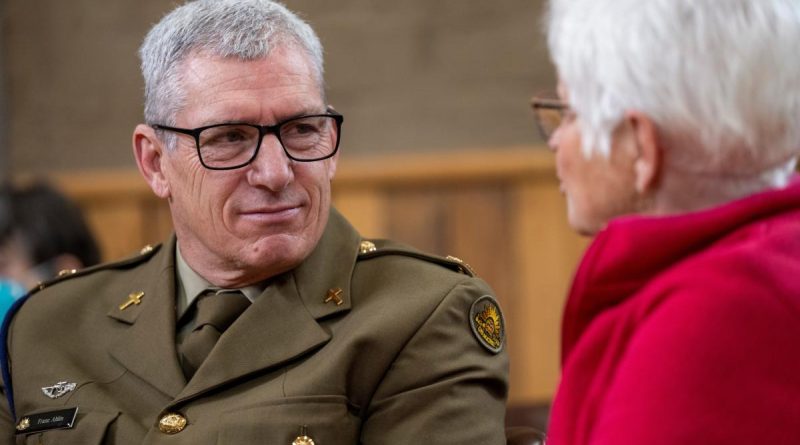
[244, 29]
[720, 78]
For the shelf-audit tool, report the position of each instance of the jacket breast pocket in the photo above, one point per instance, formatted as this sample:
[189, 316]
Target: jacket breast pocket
[328, 420]
[89, 429]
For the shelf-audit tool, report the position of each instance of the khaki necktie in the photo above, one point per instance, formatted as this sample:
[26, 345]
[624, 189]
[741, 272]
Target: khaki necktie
[215, 312]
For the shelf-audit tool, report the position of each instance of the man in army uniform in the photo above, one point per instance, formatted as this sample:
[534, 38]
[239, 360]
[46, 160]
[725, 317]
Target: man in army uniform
[266, 318]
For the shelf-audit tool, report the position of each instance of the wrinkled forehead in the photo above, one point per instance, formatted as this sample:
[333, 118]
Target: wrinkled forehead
[262, 90]
[207, 80]
[284, 54]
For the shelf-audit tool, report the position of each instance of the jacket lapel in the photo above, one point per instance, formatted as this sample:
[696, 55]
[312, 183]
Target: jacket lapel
[329, 269]
[147, 347]
[282, 324]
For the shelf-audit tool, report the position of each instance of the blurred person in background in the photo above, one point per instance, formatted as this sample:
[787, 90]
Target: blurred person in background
[9, 290]
[42, 232]
[676, 131]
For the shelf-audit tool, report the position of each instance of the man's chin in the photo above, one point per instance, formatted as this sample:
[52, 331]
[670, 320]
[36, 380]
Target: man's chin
[278, 248]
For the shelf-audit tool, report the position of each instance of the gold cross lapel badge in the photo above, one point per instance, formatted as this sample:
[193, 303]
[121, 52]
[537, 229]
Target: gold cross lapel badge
[133, 298]
[335, 296]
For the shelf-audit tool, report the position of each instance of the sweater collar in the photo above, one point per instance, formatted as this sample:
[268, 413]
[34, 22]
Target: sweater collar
[631, 250]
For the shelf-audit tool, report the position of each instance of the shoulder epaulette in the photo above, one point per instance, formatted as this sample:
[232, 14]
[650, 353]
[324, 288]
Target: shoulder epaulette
[66, 274]
[378, 248]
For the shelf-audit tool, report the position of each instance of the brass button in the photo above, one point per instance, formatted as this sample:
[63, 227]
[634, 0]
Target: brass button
[367, 247]
[171, 423]
[465, 268]
[303, 438]
[146, 249]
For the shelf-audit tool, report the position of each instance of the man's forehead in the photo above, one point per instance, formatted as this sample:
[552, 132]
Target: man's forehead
[283, 84]
[204, 68]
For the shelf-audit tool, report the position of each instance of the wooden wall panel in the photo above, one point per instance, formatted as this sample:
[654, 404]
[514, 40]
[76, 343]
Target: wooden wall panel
[476, 230]
[366, 209]
[415, 216]
[120, 208]
[498, 210]
[546, 255]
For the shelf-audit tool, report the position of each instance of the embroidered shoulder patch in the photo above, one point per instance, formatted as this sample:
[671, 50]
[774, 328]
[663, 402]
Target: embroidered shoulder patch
[486, 321]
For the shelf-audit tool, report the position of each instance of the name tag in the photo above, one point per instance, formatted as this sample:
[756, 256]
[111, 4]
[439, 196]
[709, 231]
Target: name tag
[51, 420]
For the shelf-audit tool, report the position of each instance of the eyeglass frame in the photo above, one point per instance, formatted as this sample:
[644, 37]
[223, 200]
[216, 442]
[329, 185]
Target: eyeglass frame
[558, 105]
[263, 130]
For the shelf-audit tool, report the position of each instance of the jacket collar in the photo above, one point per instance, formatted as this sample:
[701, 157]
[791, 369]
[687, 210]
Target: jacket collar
[329, 269]
[151, 337]
[281, 324]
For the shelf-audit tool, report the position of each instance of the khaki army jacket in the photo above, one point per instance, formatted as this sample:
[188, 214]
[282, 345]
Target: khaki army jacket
[363, 343]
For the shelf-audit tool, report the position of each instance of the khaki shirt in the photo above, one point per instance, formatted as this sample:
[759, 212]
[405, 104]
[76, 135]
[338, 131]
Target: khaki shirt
[360, 344]
[188, 286]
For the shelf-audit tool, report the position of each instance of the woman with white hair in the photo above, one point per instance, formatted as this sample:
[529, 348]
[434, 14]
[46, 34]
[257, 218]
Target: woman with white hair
[676, 134]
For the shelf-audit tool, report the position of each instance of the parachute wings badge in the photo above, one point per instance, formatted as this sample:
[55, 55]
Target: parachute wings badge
[59, 389]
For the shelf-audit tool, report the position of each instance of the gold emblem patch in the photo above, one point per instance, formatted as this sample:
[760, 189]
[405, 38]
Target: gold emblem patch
[487, 323]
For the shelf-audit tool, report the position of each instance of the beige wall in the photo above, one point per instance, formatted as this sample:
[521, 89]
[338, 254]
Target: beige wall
[414, 75]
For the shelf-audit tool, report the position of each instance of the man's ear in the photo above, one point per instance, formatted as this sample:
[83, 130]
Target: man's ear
[649, 161]
[149, 153]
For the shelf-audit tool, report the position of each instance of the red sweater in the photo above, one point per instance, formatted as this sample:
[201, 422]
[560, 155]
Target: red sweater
[685, 330]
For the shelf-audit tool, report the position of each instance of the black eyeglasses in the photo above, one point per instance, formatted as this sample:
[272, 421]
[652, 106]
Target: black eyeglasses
[549, 114]
[228, 146]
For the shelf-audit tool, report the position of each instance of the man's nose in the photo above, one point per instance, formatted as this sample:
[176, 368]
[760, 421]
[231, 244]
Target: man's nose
[271, 167]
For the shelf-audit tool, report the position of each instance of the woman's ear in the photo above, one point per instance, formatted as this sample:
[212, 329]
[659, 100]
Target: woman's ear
[149, 153]
[649, 160]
